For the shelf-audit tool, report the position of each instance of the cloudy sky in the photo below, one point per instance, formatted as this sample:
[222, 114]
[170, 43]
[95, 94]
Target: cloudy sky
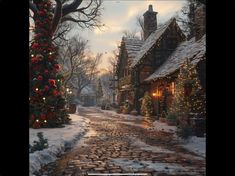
[120, 15]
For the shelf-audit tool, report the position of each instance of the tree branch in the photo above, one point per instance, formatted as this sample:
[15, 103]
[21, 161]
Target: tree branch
[68, 8]
[57, 16]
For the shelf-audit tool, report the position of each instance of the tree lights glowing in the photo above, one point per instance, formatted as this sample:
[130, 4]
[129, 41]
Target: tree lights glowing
[47, 103]
[189, 100]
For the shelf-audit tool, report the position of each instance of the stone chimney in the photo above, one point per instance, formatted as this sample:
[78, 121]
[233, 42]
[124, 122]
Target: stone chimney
[150, 22]
[200, 21]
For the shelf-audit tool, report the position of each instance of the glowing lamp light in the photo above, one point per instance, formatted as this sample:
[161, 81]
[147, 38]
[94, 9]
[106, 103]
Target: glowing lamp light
[67, 89]
[58, 80]
[154, 94]
[45, 121]
[36, 89]
[44, 98]
[50, 53]
[37, 120]
[32, 55]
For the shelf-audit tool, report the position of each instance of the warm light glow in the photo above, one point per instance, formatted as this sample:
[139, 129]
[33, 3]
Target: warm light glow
[32, 55]
[50, 53]
[158, 93]
[44, 98]
[67, 89]
[173, 88]
[58, 80]
[36, 89]
[45, 121]
[37, 120]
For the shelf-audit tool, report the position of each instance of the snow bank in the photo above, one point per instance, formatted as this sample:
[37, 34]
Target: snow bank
[196, 145]
[159, 126]
[59, 140]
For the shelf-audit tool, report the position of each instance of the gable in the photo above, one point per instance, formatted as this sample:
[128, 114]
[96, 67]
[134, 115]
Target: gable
[154, 38]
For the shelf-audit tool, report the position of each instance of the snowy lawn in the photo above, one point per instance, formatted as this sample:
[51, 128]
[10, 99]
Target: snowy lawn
[59, 140]
[194, 144]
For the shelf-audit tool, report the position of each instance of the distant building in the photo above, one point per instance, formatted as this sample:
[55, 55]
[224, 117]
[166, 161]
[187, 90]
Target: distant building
[88, 96]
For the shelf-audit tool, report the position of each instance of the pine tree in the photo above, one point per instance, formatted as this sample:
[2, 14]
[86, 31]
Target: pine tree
[47, 103]
[147, 105]
[99, 91]
[189, 98]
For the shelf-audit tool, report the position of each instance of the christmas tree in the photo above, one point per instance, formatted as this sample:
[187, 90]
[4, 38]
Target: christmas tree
[189, 98]
[147, 105]
[47, 103]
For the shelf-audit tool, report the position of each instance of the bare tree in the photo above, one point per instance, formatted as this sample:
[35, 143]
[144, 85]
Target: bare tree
[129, 34]
[140, 24]
[71, 56]
[83, 13]
[187, 17]
[85, 73]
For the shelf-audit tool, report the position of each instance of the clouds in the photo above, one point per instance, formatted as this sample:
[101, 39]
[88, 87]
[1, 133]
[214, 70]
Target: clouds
[121, 15]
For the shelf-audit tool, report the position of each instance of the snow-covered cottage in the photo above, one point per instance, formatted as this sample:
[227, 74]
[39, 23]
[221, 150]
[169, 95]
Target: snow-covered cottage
[153, 64]
[88, 96]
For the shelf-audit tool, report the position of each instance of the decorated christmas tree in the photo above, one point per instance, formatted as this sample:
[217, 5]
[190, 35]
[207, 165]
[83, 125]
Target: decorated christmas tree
[46, 96]
[147, 105]
[189, 98]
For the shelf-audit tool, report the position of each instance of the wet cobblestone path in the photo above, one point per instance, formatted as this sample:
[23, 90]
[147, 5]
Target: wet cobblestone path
[116, 145]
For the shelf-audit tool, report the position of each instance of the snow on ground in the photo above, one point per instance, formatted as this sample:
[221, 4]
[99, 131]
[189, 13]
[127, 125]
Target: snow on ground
[124, 116]
[136, 165]
[196, 145]
[159, 126]
[59, 140]
[142, 145]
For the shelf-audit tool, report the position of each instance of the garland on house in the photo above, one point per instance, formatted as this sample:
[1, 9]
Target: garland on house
[147, 105]
[47, 103]
[189, 100]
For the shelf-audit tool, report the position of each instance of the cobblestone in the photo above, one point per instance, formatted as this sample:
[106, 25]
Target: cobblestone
[112, 142]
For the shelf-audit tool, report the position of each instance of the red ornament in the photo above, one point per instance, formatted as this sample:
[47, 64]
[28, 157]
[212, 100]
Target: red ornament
[36, 124]
[46, 72]
[40, 78]
[32, 116]
[50, 58]
[34, 60]
[43, 117]
[41, 13]
[46, 88]
[57, 66]
[51, 82]
[55, 93]
[35, 45]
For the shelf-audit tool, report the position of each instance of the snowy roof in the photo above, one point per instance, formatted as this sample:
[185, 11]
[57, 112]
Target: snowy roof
[193, 50]
[132, 46]
[150, 41]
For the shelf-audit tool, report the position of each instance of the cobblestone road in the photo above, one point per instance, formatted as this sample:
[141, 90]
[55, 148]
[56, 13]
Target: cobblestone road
[115, 145]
